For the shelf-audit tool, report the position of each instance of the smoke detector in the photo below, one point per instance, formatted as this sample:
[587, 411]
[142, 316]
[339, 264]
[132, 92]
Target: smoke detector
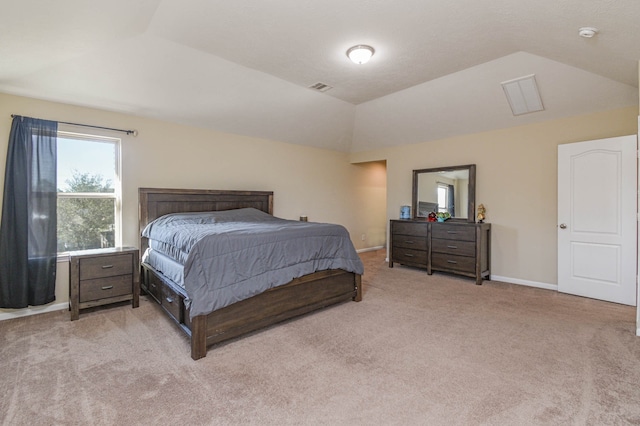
[587, 32]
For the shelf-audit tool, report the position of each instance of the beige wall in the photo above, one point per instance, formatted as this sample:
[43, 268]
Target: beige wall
[516, 176]
[369, 204]
[516, 181]
[321, 184]
[638, 283]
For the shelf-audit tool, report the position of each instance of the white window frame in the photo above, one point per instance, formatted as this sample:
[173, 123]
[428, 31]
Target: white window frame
[117, 184]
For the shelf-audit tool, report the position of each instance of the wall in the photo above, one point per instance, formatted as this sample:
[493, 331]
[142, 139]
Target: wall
[370, 188]
[638, 277]
[516, 182]
[321, 184]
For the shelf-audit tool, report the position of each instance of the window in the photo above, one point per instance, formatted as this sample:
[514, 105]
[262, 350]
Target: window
[443, 197]
[88, 192]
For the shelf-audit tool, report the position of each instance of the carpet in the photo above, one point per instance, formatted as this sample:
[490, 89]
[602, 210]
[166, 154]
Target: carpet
[417, 350]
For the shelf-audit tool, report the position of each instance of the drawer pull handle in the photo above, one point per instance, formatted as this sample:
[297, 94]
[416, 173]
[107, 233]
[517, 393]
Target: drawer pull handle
[409, 242]
[408, 255]
[453, 247]
[107, 266]
[107, 287]
[452, 232]
[153, 285]
[169, 299]
[451, 261]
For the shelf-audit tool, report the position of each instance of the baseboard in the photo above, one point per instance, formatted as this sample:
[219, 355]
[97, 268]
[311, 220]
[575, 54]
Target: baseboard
[527, 283]
[638, 332]
[369, 249]
[33, 310]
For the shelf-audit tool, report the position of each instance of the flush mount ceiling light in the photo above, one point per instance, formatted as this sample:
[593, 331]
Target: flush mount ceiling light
[587, 32]
[360, 54]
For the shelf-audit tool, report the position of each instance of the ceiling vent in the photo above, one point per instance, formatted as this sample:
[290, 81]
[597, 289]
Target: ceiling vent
[522, 94]
[320, 87]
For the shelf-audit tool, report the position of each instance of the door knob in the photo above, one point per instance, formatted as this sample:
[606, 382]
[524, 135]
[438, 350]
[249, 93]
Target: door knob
[563, 226]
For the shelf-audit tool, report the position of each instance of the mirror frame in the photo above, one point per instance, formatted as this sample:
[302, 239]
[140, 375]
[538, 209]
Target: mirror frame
[471, 207]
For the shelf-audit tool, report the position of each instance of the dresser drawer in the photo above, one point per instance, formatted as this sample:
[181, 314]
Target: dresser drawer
[105, 266]
[172, 302]
[452, 262]
[453, 232]
[410, 242]
[404, 255]
[417, 229]
[103, 288]
[460, 248]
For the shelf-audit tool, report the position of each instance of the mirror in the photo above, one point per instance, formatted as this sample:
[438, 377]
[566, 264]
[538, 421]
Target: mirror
[445, 189]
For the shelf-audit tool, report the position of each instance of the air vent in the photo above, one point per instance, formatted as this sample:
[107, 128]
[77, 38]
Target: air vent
[522, 94]
[320, 87]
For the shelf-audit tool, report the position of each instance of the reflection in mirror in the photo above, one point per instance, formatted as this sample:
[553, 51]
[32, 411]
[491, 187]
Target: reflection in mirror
[445, 189]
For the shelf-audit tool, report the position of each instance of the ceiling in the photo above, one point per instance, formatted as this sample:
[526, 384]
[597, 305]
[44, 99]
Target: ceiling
[245, 66]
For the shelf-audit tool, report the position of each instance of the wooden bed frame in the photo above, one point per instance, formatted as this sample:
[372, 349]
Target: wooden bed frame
[302, 295]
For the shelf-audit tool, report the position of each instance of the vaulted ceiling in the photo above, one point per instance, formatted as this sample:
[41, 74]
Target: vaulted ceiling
[245, 66]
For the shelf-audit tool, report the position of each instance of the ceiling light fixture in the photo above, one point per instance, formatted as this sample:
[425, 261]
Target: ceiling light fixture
[360, 54]
[587, 32]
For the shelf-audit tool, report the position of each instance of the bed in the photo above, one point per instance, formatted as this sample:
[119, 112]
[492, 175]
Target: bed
[299, 296]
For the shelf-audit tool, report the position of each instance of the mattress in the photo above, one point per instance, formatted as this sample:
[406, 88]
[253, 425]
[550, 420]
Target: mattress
[164, 264]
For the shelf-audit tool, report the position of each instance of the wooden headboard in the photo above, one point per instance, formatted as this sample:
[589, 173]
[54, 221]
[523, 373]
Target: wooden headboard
[156, 202]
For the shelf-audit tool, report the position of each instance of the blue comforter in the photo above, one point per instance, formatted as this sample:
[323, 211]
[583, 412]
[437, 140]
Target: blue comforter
[232, 255]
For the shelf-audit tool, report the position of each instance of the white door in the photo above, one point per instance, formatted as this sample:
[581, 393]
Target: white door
[597, 187]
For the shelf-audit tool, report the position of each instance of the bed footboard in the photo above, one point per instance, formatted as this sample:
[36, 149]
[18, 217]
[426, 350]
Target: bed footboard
[300, 296]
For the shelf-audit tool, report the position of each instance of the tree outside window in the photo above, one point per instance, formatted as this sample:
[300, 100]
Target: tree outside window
[88, 192]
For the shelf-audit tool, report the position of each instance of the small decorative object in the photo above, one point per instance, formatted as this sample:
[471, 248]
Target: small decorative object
[432, 217]
[405, 212]
[481, 213]
[442, 216]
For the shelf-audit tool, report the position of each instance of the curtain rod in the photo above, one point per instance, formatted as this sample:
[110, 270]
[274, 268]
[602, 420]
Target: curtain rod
[128, 132]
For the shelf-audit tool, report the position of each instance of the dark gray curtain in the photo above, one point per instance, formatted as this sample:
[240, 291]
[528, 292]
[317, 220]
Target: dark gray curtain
[452, 201]
[28, 230]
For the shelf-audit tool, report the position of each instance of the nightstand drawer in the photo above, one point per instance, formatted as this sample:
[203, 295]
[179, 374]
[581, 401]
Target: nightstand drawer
[103, 288]
[105, 266]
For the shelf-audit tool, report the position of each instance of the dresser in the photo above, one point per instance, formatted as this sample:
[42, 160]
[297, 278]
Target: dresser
[460, 248]
[103, 276]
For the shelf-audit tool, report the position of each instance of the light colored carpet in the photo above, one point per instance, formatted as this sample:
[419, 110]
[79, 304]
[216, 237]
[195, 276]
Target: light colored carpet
[417, 350]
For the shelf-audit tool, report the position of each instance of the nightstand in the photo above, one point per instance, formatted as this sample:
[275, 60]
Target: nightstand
[103, 276]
